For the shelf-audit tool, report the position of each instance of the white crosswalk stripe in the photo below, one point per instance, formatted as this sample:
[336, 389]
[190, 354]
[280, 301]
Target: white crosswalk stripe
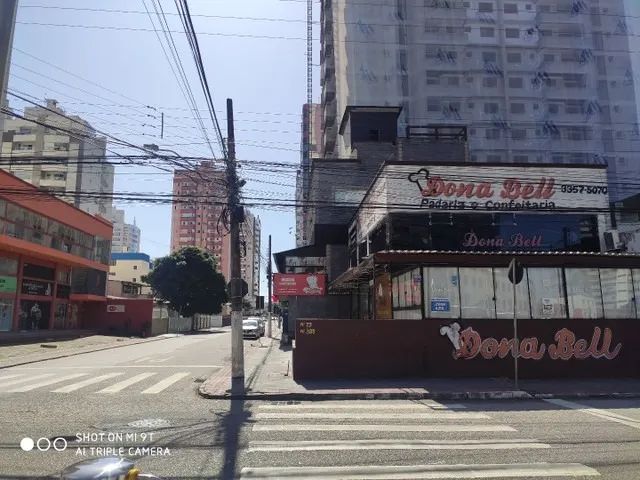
[27, 382]
[304, 433]
[27, 379]
[117, 387]
[44, 383]
[390, 472]
[166, 383]
[85, 383]
[373, 416]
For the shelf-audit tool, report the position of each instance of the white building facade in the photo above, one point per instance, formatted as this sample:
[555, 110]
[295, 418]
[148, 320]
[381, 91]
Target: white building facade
[126, 236]
[65, 160]
[546, 81]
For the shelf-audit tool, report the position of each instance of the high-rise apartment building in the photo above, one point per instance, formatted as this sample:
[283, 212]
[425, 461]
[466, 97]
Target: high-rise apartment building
[68, 160]
[547, 81]
[250, 260]
[310, 148]
[196, 220]
[196, 217]
[8, 11]
[126, 236]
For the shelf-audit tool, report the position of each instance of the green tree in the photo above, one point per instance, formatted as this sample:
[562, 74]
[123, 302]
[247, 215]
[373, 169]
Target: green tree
[189, 280]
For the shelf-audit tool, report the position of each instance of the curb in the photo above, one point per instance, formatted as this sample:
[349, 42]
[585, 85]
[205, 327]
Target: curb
[506, 395]
[73, 354]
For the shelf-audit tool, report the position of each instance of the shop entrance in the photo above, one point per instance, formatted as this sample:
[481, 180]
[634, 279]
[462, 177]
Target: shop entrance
[34, 314]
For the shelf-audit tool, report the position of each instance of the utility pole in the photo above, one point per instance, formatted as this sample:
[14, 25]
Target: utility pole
[269, 287]
[236, 217]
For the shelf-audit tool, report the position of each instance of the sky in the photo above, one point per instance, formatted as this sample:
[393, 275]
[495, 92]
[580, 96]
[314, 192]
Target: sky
[265, 77]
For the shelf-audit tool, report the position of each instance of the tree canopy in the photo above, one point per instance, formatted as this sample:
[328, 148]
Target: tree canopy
[189, 280]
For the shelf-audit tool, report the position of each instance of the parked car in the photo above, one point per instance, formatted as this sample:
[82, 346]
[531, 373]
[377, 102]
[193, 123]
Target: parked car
[251, 328]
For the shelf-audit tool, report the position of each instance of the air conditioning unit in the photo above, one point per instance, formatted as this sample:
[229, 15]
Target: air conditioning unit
[612, 241]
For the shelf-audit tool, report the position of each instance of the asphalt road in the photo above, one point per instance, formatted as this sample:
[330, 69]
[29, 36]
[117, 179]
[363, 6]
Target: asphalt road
[202, 439]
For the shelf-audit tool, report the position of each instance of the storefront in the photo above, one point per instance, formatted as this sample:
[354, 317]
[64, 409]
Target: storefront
[431, 294]
[47, 248]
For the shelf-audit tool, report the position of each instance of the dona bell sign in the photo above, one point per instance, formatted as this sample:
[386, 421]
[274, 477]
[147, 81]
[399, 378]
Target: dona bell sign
[489, 189]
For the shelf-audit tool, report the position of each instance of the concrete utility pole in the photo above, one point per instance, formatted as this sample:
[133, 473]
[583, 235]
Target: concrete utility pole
[236, 217]
[269, 286]
[8, 10]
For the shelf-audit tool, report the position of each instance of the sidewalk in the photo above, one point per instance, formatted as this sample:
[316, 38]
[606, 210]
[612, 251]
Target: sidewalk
[14, 355]
[272, 380]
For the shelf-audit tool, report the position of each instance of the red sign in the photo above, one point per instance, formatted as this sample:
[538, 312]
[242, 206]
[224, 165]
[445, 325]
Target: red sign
[299, 284]
[469, 344]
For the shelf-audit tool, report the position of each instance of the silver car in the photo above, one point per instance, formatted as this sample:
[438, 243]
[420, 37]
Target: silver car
[251, 328]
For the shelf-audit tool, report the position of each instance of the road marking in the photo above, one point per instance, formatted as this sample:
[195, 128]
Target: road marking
[103, 366]
[7, 377]
[391, 472]
[117, 387]
[20, 380]
[84, 383]
[318, 427]
[44, 383]
[361, 406]
[444, 415]
[597, 412]
[393, 444]
[160, 360]
[167, 382]
[142, 359]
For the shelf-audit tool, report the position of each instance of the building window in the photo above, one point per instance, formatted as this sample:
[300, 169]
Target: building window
[518, 134]
[549, 58]
[492, 134]
[476, 293]
[516, 82]
[491, 108]
[583, 293]
[487, 32]
[433, 105]
[617, 292]
[512, 33]
[490, 82]
[504, 295]
[135, 267]
[510, 8]
[489, 57]
[485, 7]
[433, 78]
[134, 279]
[514, 58]
[441, 292]
[517, 108]
[546, 293]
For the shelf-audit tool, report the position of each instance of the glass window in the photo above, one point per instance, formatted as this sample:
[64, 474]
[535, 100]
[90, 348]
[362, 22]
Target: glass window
[402, 299]
[441, 292]
[15, 213]
[416, 284]
[485, 7]
[504, 295]
[546, 293]
[617, 293]
[6, 314]
[512, 33]
[394, 291]
[583, 293]
[8, 266]
[487, 32]
[476, 293]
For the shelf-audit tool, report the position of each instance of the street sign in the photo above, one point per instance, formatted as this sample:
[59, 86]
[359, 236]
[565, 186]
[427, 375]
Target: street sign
[516, 271]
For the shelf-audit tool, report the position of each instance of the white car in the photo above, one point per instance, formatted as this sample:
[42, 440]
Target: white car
[251, 328]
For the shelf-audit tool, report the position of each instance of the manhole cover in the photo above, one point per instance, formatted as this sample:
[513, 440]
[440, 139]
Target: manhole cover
[150, 423]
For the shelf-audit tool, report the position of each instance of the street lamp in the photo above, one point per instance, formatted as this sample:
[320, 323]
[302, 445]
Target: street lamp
[155, 148]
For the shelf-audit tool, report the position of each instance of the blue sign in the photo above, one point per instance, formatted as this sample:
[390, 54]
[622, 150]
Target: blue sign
[440, 305]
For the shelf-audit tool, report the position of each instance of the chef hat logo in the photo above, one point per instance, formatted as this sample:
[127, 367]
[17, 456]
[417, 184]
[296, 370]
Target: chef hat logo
[420, 178]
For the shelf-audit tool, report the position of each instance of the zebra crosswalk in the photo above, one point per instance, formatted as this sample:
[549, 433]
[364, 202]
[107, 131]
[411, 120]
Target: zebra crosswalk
[393, 440]
[107, 383]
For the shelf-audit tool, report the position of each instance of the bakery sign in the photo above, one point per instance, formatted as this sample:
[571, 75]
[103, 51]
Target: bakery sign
[516, 189]
[469, 344]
